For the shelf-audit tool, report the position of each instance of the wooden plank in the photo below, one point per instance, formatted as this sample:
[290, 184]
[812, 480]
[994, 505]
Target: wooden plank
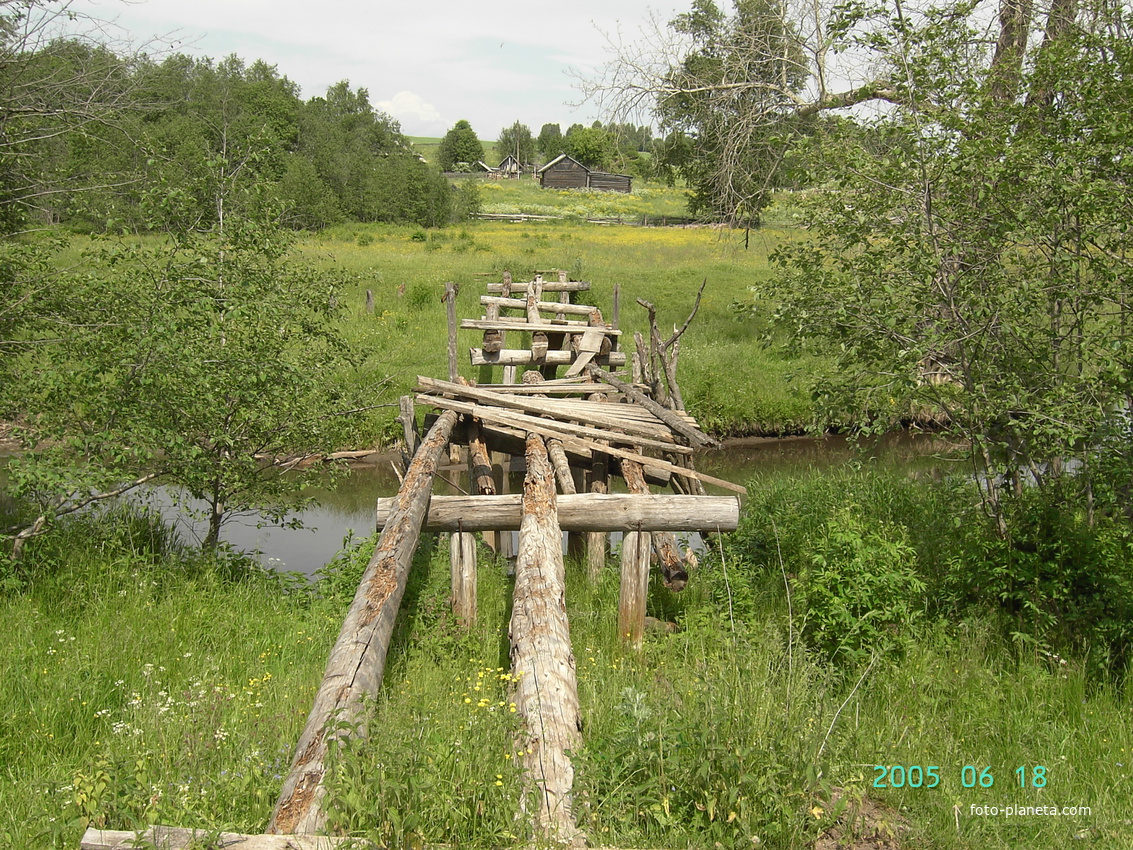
[664, 544]
[694, 435]
[450, 309]
[634, 588]
[462, 566]
[519, 357]
[176, 838]
[548, 427]
[357, 661]
[548, 286]
[594, 413]
[544, 306]
[519, 324]
[580, 512]
[546, 691]
[589, 345]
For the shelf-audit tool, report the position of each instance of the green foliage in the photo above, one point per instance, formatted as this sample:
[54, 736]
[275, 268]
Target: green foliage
[968, 262]
[861, 594]
[550, 141]
[516, 141]
[592, 146]
[460, 144]
[726, 139]
[204, 360]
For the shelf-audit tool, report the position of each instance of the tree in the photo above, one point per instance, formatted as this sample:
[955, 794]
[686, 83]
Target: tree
[205, 362]
[969, 256]
[516, 141]
[550, 143]
[594, 148]
[459, 144]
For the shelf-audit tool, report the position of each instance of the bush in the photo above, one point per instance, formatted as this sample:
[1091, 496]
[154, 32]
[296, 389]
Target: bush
[861, 593]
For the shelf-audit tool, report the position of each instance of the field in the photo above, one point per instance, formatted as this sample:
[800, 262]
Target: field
[843, 667]
[406, 269]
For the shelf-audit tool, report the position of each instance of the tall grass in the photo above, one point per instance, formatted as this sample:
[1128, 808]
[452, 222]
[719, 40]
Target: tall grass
[147, 685]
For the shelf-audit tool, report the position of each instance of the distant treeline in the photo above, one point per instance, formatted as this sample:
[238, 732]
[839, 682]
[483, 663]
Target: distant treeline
[183, 142]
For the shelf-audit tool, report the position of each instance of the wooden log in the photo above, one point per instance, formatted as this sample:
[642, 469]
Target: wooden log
[479, 462]
[546, 693]
[462, 564]
[548, 286]
[504, 323]
[694, 435]
[580, 512]
[634, 588]
[539, 347]
[521, 357]
[357, 661]
[450, 309]
[597, 542]
[548, 427]
[633, 420]
[534, 296]
[559, 308]
[493, 343]
[176, 838]
[562, 467]
[663, 543]
[408, 420]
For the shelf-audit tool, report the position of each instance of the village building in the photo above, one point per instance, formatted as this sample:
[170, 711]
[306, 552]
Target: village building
[564, 172]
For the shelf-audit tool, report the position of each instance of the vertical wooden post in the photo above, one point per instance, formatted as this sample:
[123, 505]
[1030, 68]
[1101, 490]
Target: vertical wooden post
[546, 693]
[634, 587]
[450, 307]
[462, 563]
[597, 542]
[357, 661]
[369, 301]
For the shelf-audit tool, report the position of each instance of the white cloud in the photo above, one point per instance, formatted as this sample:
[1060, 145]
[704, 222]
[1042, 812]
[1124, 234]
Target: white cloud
[408, 106]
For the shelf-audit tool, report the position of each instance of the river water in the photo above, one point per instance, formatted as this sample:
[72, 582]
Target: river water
[348, 510]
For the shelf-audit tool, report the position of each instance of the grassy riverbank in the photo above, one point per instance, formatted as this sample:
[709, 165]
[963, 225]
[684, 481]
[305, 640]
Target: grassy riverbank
[735, 379]
[149, 685]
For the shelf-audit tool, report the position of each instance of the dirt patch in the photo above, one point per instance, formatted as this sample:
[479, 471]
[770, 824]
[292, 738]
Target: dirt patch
[863, 825]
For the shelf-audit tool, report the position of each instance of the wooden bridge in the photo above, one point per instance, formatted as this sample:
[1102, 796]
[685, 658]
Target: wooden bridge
[568, 435]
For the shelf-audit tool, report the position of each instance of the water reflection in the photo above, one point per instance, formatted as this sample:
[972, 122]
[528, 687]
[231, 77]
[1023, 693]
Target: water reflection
[334, 514]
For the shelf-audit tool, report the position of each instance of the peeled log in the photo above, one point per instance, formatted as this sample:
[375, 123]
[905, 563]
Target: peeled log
[664, 544]
[357, 662]
[581, 512]
[546, 695]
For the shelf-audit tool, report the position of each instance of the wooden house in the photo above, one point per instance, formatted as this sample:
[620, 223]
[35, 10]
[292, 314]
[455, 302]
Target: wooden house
[564, 172]
[510, 167]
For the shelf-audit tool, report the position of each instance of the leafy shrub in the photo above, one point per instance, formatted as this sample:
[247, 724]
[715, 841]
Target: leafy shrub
[861, 593]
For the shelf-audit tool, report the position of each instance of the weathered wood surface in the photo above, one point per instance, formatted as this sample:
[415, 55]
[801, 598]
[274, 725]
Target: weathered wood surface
[631, 419]
[176, 838]
[634, 588]
[548, 286]
[548, 427]
[546, 693]
[664, 544]
[523, 357]
[462, 565]
[597, 542]
[581, 512]
[357, 661]
[479, 462]
[450, 311]
[544, 306]
[523, 324]
[694, 435]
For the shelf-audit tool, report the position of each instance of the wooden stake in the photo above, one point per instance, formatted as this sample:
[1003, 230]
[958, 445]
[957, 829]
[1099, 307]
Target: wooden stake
[634, 587]
[357, 662]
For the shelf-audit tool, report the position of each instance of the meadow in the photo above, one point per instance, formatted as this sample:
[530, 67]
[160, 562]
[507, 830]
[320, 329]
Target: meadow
[151, 685]
[735, 378]
[857, 637]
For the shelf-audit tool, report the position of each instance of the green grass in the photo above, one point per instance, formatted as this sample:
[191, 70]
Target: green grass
[148, 686]
[732, 380]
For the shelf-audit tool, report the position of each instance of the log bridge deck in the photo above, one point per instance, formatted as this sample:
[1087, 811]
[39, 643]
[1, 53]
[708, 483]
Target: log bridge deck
[568, 434]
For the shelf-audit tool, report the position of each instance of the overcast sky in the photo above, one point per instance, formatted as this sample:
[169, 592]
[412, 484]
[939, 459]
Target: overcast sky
[428, 63]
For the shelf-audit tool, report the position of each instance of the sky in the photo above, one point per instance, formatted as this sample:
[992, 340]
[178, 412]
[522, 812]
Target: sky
[428, 64]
